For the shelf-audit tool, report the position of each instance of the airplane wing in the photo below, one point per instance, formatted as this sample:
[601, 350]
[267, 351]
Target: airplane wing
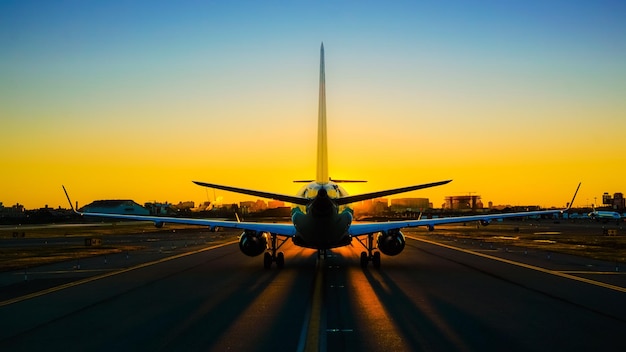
[276, 196]
[365, 196]
[359, 229]
[283, 229]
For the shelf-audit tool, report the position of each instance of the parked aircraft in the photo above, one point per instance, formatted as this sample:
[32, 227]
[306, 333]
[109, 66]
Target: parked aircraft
[604, 215]
[321, 218]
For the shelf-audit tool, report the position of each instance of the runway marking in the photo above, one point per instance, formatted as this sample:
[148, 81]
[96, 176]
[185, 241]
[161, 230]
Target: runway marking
[527, 266]
[94, 278]
[310, 334]
[73, 271]
[593, 272]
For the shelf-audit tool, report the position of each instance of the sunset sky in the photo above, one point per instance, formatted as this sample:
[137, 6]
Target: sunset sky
[516, 101]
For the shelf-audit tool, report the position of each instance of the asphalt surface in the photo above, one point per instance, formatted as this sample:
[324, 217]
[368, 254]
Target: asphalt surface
[437, 295]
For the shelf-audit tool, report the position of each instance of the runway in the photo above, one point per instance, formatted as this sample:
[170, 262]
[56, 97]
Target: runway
[437, 295]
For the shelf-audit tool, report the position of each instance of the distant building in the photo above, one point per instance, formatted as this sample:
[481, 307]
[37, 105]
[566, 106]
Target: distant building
[184, 205]
[273, 204]
[248, 207]
[498, 207]
[117, 206]
[156, 208]
[463, 202]
[16, 210]
[617, 202]
[371, 206]
[402, 205]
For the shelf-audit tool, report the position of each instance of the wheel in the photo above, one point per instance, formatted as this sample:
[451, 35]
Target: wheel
[364, 259]
[267, 260]
[376, 260]
[280, 260]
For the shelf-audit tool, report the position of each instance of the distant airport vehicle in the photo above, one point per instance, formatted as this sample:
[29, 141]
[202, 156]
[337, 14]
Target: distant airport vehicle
[604, 215]
[321, 218]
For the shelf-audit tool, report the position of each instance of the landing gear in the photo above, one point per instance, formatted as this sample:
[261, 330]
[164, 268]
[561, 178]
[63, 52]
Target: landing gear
[370, 255]
[267, 260]
[364, 259]
[273, 255]
[280, 260]
[376, 260]
[321, 254]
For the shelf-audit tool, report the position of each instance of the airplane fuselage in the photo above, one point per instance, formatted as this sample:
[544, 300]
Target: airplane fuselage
[321, 224]
[605, 215]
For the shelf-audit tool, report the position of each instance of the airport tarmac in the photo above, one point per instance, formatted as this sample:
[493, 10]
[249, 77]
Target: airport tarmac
[440, 294]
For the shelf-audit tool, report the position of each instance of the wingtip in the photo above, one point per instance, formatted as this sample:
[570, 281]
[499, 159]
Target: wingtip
[571, 203]
[69, 200]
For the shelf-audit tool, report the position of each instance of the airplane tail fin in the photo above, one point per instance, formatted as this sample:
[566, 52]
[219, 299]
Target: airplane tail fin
[322, 136]
[322, 143]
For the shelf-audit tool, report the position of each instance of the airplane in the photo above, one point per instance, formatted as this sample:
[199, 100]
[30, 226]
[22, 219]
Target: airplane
[603, 215]
[321, 218]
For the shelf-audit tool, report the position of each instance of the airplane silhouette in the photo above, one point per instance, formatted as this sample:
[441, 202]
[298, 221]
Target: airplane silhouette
[321, 217]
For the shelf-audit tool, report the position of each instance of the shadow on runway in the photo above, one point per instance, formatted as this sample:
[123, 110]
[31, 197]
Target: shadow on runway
[256, 309]
[424, 326]
[393, 308]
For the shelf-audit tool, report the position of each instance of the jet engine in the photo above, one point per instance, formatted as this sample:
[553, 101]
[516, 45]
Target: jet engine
[158, 224]
[391, 242]
[484, 222]
[252, 243]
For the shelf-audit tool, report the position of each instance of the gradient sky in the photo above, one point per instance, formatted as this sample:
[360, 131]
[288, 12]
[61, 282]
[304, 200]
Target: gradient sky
[516, 101]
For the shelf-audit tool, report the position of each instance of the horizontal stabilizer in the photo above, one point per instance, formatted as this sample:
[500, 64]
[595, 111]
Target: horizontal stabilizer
[347, 181]
[331, 180]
